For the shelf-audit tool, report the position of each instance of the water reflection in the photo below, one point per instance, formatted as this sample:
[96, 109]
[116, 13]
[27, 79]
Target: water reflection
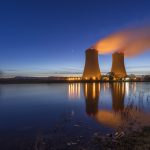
[118, 95]
[120, 113]
[0, 92]
[103, 116]
[91, 93]
[74, 90]
[25, 108]
[105, 87]
[127, 88]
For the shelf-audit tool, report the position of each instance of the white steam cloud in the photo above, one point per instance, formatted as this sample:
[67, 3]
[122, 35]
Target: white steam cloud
[132, 41]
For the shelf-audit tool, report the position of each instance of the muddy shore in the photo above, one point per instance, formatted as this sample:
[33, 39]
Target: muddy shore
[82, 137]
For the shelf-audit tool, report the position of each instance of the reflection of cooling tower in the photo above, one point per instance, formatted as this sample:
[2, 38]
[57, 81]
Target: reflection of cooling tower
[118, 94]
[118, 67]
[91, 69]
[91, 93]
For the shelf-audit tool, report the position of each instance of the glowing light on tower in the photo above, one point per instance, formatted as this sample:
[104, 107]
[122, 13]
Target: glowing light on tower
[118, 67]
[91, 69]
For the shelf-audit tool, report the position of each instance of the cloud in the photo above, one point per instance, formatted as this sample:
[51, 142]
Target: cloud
[132, 41]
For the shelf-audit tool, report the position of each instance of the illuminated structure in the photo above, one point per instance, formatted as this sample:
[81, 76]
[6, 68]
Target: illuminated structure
[118, 67]
[91, 69]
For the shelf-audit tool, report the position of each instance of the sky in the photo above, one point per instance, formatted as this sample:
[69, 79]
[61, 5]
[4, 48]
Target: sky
[49, 37]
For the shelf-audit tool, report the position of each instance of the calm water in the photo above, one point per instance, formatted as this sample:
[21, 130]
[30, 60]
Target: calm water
[27, 110]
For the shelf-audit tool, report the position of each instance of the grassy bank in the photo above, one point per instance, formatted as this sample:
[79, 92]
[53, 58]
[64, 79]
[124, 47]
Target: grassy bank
[137, 140]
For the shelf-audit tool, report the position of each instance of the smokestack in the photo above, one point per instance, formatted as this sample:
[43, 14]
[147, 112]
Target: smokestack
[91, 69]
[118, 67]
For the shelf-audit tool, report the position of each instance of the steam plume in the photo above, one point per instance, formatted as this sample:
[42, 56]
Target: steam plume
[131, 41]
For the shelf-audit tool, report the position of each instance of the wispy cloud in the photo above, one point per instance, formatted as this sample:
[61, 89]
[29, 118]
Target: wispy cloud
[132, 67]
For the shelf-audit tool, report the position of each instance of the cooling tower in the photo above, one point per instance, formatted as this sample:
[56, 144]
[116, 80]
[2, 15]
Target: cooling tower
[118, 67]
[91, 69]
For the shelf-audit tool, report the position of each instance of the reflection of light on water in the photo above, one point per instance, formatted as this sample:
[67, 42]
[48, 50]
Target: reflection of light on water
[94, 94]
[134, 87]
[107, 85]
[104, 87]
[86, 90]
[108, 118]
[127, 88]
[99, 87]
[79, 90]
[123, 109]
[74, 91]
[123, 88]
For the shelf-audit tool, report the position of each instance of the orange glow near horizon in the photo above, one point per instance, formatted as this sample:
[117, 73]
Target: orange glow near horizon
[73, 78]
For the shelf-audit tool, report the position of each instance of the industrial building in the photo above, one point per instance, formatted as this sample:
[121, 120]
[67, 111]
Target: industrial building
[91, 69]
[118, 67]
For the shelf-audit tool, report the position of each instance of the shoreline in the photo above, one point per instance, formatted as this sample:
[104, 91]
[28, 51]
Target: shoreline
[43, 81]
[135, 140]
[86, 138]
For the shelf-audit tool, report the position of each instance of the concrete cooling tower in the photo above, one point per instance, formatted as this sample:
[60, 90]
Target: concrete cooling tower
[91, 69]
[118, 67]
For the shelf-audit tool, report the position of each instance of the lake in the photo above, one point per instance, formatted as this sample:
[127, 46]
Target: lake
[67, 112]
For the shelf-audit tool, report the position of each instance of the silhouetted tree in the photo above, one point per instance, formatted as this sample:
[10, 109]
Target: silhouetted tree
[1, 73]
[110, 75]
[131, 76]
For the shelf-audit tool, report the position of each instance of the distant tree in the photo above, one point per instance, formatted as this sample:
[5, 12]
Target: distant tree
[132, 76]
[147, 78]
[110, 75]
[119, 77]
[1, 73]
[103, 77]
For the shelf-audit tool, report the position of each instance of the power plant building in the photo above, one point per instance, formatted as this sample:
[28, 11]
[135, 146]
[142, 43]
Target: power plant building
[118, 66]
[91, 69]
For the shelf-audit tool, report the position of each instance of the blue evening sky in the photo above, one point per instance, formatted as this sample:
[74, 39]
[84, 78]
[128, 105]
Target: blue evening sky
[43, 37]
